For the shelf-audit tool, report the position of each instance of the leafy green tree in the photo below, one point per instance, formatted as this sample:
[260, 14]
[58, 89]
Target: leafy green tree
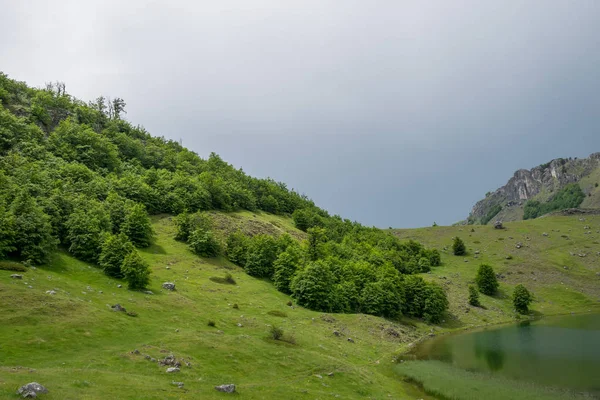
[435, 259]
[312, 287]
[316, 236]
[262, 253]
[187, 223]
[424, 265]
[114, 250]
[136, 271]
[116, 206]
[522, 298]
[137, 225]
[458, 247]
[237, 248]
[473, 296]
[486, 280]
[204, 243]
[32, 230]
[286, 265]
[436, 304]
[7, 232]
[86, 227]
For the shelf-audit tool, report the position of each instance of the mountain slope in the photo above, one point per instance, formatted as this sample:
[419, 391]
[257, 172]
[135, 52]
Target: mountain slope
[540, 184]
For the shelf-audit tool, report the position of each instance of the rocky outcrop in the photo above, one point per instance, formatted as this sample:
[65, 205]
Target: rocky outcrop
[539, 182]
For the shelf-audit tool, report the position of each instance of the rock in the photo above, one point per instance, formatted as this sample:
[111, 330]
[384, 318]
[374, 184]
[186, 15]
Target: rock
[31, 390]
[170, 360]
[16, 276]
[168, 267]
[336, 333]
[118, 307]
[230, 388]
[330, 374]
[178, 384]
[148, 292]
[172, 369]
[498, 225]
[318, 376]
[50, 292]
[136, 351]
[239, 325]
[545, 234]
[350, 340]
[476, 251]
[519, 245]
[119, 286]
[168, 286]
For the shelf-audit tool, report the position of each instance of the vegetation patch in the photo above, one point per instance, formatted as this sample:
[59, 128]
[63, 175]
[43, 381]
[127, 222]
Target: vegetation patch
[276, 313]
[12, 266]
[571, 196]
[225, 280]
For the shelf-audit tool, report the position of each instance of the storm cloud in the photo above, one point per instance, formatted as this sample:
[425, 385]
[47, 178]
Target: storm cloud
[392, 113]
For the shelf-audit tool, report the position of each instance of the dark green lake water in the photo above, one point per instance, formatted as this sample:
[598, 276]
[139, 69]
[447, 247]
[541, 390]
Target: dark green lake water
[556, 351]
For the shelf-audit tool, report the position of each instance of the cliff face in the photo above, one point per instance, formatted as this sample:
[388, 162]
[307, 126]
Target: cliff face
[539, 183]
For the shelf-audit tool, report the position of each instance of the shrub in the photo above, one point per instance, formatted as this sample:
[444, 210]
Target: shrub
[521, 299]
[137, 225]
[486, 280]
[289, 303]
[135, 271]
[227, 280]
[276, 333]
[458, 247]
[12, 266]
[424, 265]
[262, 253]
[436, 303]
[188, 223]
[114, 250]
[435, 259]
[211, 323]
[203, 243]
[236, 306]
[237, 248]
[285, 266]
[473, 296]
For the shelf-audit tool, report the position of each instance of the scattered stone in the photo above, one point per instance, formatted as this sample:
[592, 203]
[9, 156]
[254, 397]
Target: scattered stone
[318, 376]
[118, 307]
[498, 225]
[168, 286]
[168, 267]
[545, 234]
[147, 356]
[172, 369]
[136, 351]
[336, 333]
[50, 292]
[350, 340]
[153, 359]
[178, 384]
[230, 388]
[330, 374]
[519, 245]
[100, 291]
[476, 251]
[16, 276]
[119, 286]
[148, 292]
[239, 325]
[31, 390]
[170, 360]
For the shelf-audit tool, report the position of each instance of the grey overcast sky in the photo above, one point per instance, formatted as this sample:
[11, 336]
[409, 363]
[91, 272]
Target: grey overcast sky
[392, 113]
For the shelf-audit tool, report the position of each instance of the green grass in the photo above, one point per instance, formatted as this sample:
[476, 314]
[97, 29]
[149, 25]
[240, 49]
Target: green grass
[448, 383]
[73, 343]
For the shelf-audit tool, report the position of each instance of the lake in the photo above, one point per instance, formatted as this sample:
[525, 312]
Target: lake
[561, 352]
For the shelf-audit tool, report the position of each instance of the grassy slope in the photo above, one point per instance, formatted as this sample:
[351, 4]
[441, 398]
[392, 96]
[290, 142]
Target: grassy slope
[75, 345]
[539, 265]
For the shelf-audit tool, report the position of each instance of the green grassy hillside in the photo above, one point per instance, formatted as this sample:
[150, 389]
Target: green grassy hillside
[73, 342]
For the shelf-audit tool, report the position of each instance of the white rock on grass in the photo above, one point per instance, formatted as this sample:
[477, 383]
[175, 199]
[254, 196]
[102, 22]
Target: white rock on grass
[230, 388]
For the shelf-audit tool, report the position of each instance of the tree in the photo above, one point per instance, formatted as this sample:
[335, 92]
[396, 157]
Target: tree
[203, 243]
[312, 287]
[262, 253]
[114, 250]
[316, 236]
[435, 258]
[187, 223]
[436, 304]
[521, 299]
[137, 225]
[286, 265]
[135, 271]
[6, 232]
[32, 229]
[486, 280]
[424, 265]
[237, 248]
[458, 247]
[473, 296]
[85, 229]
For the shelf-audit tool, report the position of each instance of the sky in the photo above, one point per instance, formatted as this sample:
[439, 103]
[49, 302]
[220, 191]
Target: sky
[391, 113]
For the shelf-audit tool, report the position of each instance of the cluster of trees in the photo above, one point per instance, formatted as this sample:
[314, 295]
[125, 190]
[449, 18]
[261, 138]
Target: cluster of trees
[571, 196]
[340, 267]
[487, 283]
[74, 173]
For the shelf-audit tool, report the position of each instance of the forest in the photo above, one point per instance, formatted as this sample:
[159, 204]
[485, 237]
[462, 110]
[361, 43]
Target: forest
[78, 176]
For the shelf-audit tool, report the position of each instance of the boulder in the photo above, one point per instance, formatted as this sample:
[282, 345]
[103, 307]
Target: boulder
[178, 384]
[172, 369]
[16, 276]
[31, 390]
[118, 307]
[498, 225]
[168, 286]
[229, 388]
[50, 292]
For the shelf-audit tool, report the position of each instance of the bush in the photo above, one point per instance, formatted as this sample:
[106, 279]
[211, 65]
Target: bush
[12, 266]
[473, 296]
[436, 304]
[435, 259]
[521, 299]
[203, 243]
[235, 306]
[262, 253]
[486, 280]
[137, 226]
[227, 280]
[237, 248]
[114, 250]
[135, 271]
[285, 266]
[289, 303]
[187, 223]
[211, 323]
[458, 247]
[276, 333]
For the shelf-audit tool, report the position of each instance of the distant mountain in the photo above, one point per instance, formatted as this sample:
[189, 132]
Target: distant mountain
[552, 186]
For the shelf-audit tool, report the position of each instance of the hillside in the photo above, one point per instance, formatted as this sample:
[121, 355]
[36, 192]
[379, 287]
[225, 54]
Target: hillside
[540, 184]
